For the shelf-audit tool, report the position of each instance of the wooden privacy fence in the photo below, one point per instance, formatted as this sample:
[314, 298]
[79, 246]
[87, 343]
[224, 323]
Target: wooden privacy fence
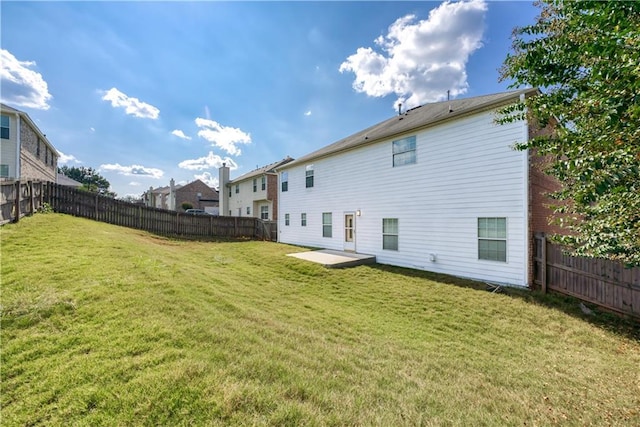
[20, 198]
[605, 283]
[72, 201]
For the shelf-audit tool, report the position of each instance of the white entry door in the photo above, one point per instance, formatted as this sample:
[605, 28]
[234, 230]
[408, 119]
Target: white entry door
[350, 231]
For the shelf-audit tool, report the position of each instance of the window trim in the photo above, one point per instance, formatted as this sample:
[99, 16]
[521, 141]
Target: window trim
[237, 188]
[308, 176]
[303, 219]
[327, 226]
[400, 152]
[387, 233]
[284, 181]
[264, 212]
[287, 220]
[493, 238]
[3, 168]
[7, 127]
[248, 210]
[255, 184]
[263, 183]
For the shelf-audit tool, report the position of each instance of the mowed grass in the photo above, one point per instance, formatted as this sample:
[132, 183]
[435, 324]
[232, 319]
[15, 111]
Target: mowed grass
[103, 325]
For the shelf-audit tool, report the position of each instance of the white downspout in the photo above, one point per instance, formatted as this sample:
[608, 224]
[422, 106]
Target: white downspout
[526, 204]
[18, 148]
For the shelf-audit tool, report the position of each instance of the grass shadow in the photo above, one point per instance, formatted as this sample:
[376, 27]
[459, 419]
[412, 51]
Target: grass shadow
[618, 324]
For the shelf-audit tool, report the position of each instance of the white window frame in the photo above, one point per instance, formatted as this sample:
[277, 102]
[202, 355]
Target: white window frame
[308, 176]
[284, 179]
[303, 219]
[404, 151]
[287, 220]
[327, 224]
[386, 232]
[264, 212]
[7, 126]
[264, 183]
[492, 230]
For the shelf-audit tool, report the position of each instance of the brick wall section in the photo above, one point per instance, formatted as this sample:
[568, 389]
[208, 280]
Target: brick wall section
[189, 193]
[272, 194]
[35, 165]
[540, 184]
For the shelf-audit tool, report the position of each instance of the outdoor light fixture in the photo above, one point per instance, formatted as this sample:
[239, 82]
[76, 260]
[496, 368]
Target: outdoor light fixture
[358, 212]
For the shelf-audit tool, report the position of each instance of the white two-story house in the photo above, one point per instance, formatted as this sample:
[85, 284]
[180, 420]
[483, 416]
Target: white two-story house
[437, 188]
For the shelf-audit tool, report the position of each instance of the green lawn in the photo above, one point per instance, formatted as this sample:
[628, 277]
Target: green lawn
[104, 325]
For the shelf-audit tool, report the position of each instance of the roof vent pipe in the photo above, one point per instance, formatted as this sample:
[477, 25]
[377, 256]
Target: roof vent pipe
[399, 108]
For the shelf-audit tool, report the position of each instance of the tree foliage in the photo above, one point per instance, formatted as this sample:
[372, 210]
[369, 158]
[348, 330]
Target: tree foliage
[584, 56]
[91, 180]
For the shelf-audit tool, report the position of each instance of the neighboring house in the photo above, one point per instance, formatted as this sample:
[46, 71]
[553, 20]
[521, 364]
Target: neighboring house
[438, 188]
[171, 197]
[253, 194]
[66, 181]
[26, 153]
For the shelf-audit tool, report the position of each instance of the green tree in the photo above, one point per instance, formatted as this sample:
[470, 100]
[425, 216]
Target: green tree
[584, 56]
[91, 180]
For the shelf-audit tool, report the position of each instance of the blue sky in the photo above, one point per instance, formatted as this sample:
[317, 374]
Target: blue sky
[149, 91]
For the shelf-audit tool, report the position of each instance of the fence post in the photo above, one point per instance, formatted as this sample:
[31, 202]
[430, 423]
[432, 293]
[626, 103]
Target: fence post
[32, 202]
[17, 203]
[543, 266]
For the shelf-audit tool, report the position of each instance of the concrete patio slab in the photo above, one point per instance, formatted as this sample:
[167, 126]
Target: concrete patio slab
[335, 259]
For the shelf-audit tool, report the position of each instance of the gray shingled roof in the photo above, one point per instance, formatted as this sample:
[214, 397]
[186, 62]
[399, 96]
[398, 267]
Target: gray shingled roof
[416, 118]
[264, 169]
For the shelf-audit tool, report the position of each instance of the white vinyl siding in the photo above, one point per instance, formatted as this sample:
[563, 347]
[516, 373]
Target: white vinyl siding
[466, 170]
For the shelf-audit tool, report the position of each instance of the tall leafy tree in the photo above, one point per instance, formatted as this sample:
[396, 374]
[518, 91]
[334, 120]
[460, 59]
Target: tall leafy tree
[585, 58]
[90, 178]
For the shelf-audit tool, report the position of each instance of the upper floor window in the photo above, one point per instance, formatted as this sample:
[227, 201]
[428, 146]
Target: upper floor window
[4, 127]
[264, 212]
[303, 219]
[404, 151]
[492, 239]
[286, 219]
[255, 185]
[264, 183]
[46, 156]
[284, 178]
[309, 176]
[237, 188]
[229, 191]
[4, 171]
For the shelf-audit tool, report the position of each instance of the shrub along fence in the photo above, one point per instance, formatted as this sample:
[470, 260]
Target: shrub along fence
[73, 201]
[605, 283]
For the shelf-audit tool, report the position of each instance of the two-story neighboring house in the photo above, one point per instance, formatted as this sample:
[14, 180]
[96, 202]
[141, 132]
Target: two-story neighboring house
[198, 194]
[438, 188]
[253, 194]
[25, 152]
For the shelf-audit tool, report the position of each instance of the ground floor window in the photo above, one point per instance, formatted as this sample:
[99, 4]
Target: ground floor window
[303, 219]
[286, 219]
[4, 171]
[248, 210]
[264, 212]
[492, 239]
[327, 228]
[390, 234]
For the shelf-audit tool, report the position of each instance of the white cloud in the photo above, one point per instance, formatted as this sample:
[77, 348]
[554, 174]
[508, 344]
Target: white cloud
[226, 138]
[132, 106]
[421, 59]
[92, 129]
[135, 183]
[207, 178]
[211, 161]
[180, 134]
[20, 85]
[308, 113]
[66, 158]
[133, 170]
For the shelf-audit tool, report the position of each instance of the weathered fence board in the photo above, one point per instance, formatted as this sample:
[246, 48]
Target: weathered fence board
[19, 198]
[605, 283]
